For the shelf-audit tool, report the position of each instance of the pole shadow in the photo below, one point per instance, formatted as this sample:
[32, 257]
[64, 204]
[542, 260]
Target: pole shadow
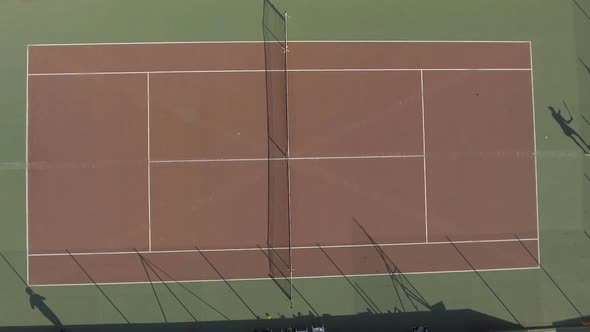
[371, 305]
[587, 235]
[313, 310]
[585, 65]
[97, 286]
[484, 281]
[568, 131]
[582, 9]
[145, 262]
[153, 289]
[36, 301]
[398, 280]
[227, 283]
[183, 286]
[551, 278]
[587, 176]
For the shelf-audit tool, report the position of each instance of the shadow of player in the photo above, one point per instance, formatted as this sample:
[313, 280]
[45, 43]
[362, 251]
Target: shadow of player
[38, 301]
[568, 131]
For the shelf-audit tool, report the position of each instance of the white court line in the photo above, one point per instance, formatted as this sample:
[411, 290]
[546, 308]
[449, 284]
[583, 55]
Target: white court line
[536, 156]
[149, 171]
[424, 153]
[27, 163]
[305, 277]
[290, 41]
[279, 159]
[278, 248]
[309, 70]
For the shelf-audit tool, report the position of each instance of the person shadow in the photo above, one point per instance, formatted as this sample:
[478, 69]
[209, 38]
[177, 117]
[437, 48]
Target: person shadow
[38, 302]
[568, 131]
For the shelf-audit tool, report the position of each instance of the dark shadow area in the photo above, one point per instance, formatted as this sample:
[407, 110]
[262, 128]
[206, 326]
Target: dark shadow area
[363, 295]
[227, 283]
[145, 263]
[568, 131]
[582, 318]
[587, 235]
[182, 285]
[581, 9]
[442, 321]
[484, 281]
[400, 283]
[36, 301]
[97, 286]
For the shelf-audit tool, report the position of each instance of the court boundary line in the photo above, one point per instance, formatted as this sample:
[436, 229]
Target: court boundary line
[294, 277]
[106, 253]
[293, 41]
[242, 71]
[424, 154]
[536, 156]
[27, 163]
[172, 161]
[149, 170]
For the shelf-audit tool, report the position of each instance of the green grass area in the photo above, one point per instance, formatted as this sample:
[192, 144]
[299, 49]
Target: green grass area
[558, 30]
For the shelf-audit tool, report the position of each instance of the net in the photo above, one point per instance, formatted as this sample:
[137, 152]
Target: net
[274, 26]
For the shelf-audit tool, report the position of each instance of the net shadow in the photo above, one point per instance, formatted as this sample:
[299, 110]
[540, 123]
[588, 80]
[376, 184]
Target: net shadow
[274, 30]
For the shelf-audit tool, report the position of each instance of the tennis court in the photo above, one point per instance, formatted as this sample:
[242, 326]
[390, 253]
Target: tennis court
[387, 161]
[240, 164]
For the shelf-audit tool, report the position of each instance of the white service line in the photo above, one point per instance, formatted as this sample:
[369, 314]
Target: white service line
[424, 153]
[290, 41]
[279, 159]
[295, 277]
[279, 248]
[149, 171]
[27, 163]
[308, 70]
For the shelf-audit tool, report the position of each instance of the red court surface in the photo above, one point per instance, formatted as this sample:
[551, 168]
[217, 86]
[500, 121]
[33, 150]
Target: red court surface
[413, 155]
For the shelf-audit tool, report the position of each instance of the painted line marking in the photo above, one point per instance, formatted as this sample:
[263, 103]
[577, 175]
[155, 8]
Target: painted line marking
[220, 71]
[295, 277]
[278, 248]
[535, 149]
[291, 41]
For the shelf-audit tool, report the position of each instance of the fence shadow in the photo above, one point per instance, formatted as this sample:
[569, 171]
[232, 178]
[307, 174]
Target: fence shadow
[228, 284]
[97, 286]
[484, 281]
[170, 279]
[399, 282]
[581, 316]
[371, 305]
